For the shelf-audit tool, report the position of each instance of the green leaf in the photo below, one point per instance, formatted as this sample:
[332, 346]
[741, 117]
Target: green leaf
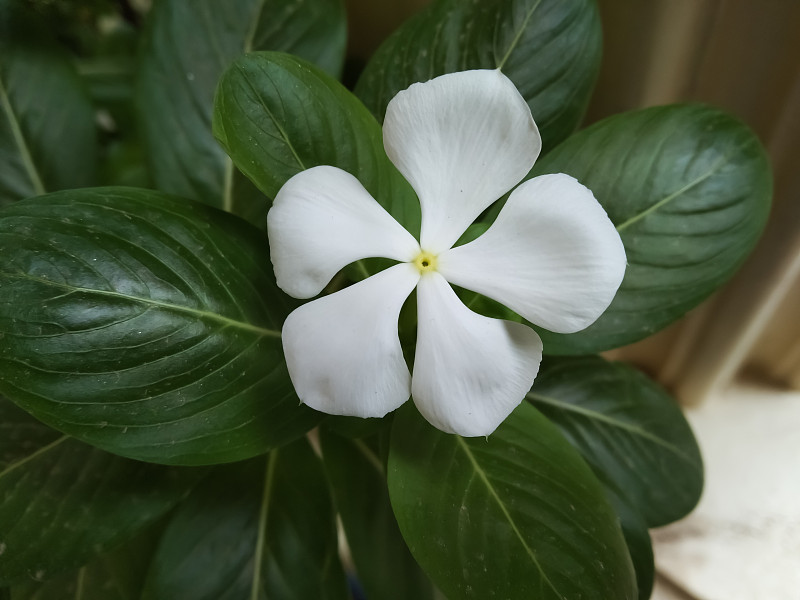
[263, 529]
[519, 515]
[277, 115]
[637, 537]
[64, 502]
[20, 434]
[384, 565]
[117, 575]
[629, 430]
[186, 49]
[47, 133]
[689, 190]
[550, 49]
[146, 325]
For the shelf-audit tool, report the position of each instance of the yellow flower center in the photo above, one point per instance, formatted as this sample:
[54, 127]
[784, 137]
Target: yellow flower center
[425, 262]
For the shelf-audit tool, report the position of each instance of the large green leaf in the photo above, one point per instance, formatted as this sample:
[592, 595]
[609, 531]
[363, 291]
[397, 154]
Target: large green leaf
[549, 48]
[277, 115]
[64, 502]
[517, 516]
[689, 190]
[628, 429]
[385, 567]
[47, 133]
[187, 46]
[146, 325]
[115, 575]
[263, 529]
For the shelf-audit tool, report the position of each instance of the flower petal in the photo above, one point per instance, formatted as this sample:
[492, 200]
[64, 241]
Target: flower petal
[470, 371]
[552, 255]
[462, 140]
[343, 352]
[322, 220]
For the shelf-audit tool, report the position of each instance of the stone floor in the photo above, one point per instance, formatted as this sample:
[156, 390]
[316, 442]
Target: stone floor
[743, 540]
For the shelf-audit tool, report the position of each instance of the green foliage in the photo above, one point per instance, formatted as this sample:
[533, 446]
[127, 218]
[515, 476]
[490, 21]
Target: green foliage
[187, 46]
[637, 537]
[628, 429]
[550, 49]
[277, 115]
[689, 190]
[386, 570]
[42, 105]
[525, 513]
[151, 326]
[270, 523]
[115, 575]
[140, 327]
[635, 439]
[65, 502]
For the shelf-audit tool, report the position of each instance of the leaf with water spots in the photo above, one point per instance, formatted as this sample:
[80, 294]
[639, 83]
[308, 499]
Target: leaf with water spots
[516, 516]
[64, 502]
[150, 326]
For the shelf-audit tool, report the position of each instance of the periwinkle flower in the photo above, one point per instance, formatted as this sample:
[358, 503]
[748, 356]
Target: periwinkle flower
[462, 141]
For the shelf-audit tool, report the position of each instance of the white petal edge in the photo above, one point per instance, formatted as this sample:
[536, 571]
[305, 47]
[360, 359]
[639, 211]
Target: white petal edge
[470, 371]
[343, 351]
[462, 140]
[322, 220]
[552, 255]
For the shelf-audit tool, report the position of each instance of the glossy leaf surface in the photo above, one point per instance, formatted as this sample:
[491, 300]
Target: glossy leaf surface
[63, 502]
[385, 567]
[42, 106]
[628, 429]
[550, 49]
[263, 529]
[517, 516]
[689, 190]
[150, 326]
[277, 115]
[187, 47]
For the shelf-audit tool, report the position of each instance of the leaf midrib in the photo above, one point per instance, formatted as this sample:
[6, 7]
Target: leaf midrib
[44, 449]
[677, 193]
[24, 151]
[493, 493]
[263, 516]
[518, 35]
[200, 314]
[598, 416]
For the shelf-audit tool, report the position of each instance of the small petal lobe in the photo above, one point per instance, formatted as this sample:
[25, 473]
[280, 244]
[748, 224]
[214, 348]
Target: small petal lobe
[343, 351]
[462, 141]
[322, 220]
[552, 255]
[470, 371]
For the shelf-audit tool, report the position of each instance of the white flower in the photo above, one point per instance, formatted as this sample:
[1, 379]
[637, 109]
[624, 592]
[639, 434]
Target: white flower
[462, 141]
